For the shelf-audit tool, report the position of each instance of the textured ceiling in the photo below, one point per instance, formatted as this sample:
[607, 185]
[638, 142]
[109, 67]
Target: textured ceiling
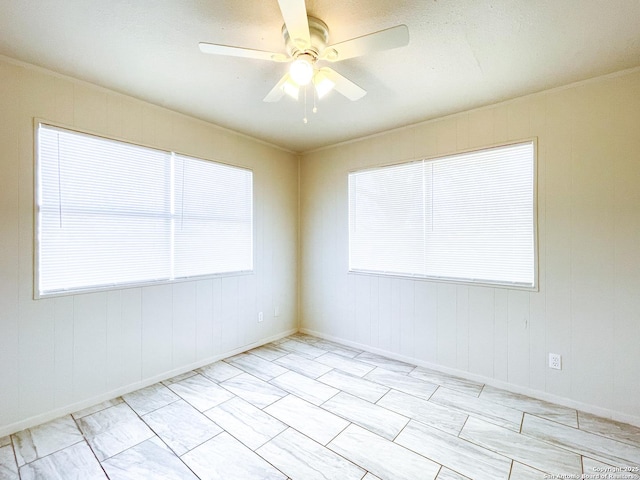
[462, 54]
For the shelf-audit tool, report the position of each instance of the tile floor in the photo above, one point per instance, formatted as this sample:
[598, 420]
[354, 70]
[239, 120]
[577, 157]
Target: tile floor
[303, 408]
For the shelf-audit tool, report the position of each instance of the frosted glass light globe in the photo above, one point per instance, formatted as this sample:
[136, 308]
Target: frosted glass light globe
[301, 70]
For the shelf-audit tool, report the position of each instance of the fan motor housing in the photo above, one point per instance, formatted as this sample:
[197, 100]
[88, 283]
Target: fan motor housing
[319, 34]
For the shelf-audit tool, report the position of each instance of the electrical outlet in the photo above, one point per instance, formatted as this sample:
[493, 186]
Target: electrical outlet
[276, 311]
[260, 317]
[555, 361]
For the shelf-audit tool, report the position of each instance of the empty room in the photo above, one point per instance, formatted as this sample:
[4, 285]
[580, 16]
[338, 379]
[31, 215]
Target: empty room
[320, 240]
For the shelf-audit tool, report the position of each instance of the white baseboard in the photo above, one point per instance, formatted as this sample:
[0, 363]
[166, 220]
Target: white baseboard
[77, 406]
[540, 395]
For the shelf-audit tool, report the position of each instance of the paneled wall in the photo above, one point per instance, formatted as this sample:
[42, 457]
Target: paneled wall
[59, 354]
[588, 305]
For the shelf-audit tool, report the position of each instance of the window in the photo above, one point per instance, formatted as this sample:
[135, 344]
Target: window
[468, 217]
[112, 214]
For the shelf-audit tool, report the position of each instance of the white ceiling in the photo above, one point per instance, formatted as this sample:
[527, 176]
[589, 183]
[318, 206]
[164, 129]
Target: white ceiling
[462, 54]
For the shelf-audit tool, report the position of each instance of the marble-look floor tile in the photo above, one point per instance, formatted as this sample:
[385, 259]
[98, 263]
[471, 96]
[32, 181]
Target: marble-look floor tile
[179, 378]
[304, 337]
[446, 474]
[386, 363]
[302, 348]
[181, 426]
[525, 472]
[594, 469]
[220, 371]
[454, 453]
[234, 357]
[150, 398]
[338, 349]
[347, 365]
[529, 451]
[376, 419]
[609, 428]
[37, 442]
[304, 387]
[383, 458]
[585, 443]
[450, 381]
[147, 460]
[8, 465]
[201, 392]
[404, 383]
[478, 407]
[103, 420]
[4, 441]
[316, 423]
[254, 390]
[357, 386]
[370, 476]
[76, 461]
[96, 408]
[269, 352]
[247, 423]
[540, 408]
[303, 459]
[225, 458]
[256, 366]
[429, 413]
[113, 430]
[303, 365]
[553, 436]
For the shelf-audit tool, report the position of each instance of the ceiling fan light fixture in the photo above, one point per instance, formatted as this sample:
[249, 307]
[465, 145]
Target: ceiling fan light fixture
[306, 41]
[301, 69]
[323, 84]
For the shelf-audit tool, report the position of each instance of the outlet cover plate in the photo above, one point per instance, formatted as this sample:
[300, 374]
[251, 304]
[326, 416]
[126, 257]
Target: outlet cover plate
[555, 361]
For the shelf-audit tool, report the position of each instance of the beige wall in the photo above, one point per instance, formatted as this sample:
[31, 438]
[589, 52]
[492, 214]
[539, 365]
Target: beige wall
[588, 305]
[59, 354]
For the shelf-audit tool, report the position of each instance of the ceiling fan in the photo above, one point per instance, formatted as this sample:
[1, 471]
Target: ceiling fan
[306, 40]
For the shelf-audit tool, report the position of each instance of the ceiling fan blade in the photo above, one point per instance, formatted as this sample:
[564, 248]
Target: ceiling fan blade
[343, 85]
[277, 92]
[393, 37]
[294, 13]
[227, 50]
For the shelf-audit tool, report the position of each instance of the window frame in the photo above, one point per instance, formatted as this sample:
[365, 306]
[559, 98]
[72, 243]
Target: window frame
[455, 281]
[37, 122]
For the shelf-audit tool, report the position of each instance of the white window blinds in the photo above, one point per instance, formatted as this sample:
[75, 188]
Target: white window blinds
[111, 213]
[467, 217]
[214, 210]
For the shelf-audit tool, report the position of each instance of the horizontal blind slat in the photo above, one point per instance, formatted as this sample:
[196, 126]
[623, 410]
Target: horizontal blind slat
[113, 213]
[467, 216]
